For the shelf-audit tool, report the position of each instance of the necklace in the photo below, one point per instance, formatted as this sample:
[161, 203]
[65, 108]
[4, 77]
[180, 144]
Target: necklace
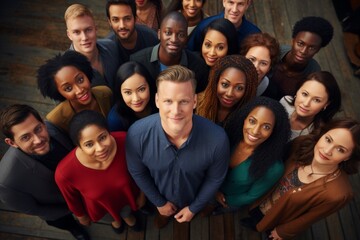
[321, 174]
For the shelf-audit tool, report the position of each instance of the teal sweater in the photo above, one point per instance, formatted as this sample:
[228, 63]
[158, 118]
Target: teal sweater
[240, 189]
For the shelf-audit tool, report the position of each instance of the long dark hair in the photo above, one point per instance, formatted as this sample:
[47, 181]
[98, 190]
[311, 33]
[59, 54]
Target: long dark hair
[124, 72]
[303, 146]
[270, 151]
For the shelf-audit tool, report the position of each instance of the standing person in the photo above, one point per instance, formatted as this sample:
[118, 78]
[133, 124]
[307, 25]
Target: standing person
[102, 53]
[67, 78]
[149, 13]
[128, 36]
[255, 130]
[171, 51]
[191, 9]
[317, 100]
[159, 147]
[219, 40]
[262, 50]
[135, 101]
[309, 35]
[234, 11]
[232, 83]
[27, 169]
[93, 177]
[315, 183]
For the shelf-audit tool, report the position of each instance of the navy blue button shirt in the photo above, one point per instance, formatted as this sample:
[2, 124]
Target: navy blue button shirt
[188, 176]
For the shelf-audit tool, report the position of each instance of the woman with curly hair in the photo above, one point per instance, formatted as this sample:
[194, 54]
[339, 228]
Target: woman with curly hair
[232, 83]
[315, 183]
[67, 78]
[218, 40]
[135, 97]
[258, 128]
[192, 11]
[149, 12]
[262, 50]
[317, 100]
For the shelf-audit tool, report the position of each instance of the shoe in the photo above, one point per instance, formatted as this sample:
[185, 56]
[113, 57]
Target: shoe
[120, 229]
[147, 209]
[161, 221]
[248, 223]
[137, 226]
[79, 233]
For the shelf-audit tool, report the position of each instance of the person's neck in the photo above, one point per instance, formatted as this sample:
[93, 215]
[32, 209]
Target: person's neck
[178, 138]
[222, 113]
[168, 60]
[80, 107]
[144, 113]
[320, 169]
[297, 120]
[293, 66]
[192, 21]
[144, 8]
[129, 43]
[246, 148]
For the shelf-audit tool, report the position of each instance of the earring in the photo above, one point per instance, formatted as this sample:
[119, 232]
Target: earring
[324, 108]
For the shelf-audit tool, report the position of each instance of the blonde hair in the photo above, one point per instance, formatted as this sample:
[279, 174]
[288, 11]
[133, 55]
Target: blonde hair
[77, 10]
[177, 73]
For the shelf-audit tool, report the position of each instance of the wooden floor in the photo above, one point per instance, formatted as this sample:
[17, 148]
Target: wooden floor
[32, 31]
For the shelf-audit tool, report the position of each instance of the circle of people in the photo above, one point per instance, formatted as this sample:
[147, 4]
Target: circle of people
[181, 113]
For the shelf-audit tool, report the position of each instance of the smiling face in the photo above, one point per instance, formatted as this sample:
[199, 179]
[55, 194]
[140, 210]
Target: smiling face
[135, 92]
[192, 8]
[260, 57]
[258, 126]
[334, 147]
[176, 102]
[73, 85]
[304, 46]
[31, 136]
[214, 47]
[97, 143]
[231, 87]
[122, 21]
[310, 99]
[82, 32]
[234, 10]
[173, 37]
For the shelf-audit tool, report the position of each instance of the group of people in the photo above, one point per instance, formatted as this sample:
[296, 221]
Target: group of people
[204, 115]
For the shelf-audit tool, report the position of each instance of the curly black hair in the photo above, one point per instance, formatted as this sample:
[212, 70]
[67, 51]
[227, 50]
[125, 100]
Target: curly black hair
[46, 73]
[317, 25]
[270, 151]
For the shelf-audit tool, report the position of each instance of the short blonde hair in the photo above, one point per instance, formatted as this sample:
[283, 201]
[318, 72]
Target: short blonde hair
[177, 73]
[77, 10]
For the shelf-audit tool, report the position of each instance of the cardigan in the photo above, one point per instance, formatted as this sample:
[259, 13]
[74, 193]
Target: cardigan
[297, 209]
[61, 115]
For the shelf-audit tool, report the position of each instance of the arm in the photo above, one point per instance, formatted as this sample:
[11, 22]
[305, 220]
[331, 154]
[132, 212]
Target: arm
[25, 203]
[140, 172]
[72, 196]
[215, 175]
[258, 187]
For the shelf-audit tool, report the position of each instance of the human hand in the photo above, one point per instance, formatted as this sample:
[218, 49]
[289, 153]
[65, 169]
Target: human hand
[168, 209]
[274, 235]
[84, 220]
[221, 199]
[185, 215]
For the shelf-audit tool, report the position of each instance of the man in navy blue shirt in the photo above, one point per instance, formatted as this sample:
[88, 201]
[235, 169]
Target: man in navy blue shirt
[234, 11]
[178, 159]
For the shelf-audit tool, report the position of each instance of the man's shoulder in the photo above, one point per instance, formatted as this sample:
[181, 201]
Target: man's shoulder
[106, 44]
[249, 26]
[142, 55]
[208, 20]
[144, 124]
[12, 161]
[145, 31]
[207, 127]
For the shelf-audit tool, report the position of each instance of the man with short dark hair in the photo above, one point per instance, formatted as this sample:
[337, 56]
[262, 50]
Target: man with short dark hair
[129, 37]
[27, 169]
[178, 159]
[171, 51]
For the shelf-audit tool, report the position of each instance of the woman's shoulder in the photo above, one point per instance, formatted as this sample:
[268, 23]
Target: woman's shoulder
[61, 115]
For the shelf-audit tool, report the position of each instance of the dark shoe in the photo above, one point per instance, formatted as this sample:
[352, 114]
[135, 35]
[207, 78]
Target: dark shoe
[147, 209]
[120, 229]
[79, 233]
[137, 227]
[248, 223]
[161, 221]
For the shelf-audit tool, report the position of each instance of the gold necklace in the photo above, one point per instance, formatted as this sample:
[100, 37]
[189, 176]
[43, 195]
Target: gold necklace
[321, 174]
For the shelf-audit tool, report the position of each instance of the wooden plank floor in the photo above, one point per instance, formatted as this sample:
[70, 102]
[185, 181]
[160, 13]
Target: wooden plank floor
[32, 31]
